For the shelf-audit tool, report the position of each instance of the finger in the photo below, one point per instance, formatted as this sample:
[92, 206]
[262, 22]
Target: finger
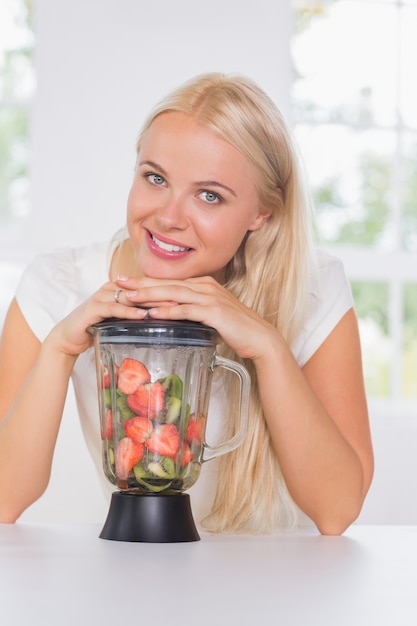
[112, 301]
[116, 294]
[178, 312]
[166, 294]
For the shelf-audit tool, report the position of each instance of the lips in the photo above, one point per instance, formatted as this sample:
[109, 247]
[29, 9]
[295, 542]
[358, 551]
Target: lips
[166, 247]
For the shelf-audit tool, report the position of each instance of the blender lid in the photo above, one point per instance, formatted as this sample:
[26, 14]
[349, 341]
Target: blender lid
[149, 331]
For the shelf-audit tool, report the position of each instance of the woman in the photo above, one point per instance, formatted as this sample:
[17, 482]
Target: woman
[218, 232]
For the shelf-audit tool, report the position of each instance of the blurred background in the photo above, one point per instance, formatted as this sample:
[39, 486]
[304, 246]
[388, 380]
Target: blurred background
[76, 81]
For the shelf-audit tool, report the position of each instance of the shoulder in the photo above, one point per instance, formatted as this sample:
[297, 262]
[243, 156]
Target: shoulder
[58, 280]
[331, 279]
[330, 297]
[81, 268]
[66, 269]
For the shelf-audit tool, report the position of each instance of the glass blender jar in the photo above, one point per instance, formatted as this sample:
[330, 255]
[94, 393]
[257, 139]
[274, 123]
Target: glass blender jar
[154, 384]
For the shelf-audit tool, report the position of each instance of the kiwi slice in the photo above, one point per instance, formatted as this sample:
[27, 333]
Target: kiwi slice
[122, 407]
[155, 467]
[153, 486]
[107, 398]
[163, 467]
[172, 409]
[156, 474]
[173, 386]
[141, 471]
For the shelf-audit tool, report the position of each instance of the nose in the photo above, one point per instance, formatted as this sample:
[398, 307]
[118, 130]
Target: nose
[172, 213]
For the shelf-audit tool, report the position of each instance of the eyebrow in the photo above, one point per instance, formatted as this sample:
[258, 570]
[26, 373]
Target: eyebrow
[199, 183]
[215, 183]
[155, 166]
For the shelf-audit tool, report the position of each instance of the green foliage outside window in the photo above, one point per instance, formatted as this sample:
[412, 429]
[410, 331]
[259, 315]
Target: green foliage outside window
[16, 90]
[368, 199]
[369, 226]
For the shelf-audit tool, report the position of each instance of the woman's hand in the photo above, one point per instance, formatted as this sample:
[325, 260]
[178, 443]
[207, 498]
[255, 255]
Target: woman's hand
[70, 335]
[201, 300]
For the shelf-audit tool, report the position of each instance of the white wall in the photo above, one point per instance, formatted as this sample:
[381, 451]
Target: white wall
[101, 65]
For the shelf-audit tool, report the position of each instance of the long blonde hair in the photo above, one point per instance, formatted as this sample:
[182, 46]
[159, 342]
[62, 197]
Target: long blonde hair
[269, 273]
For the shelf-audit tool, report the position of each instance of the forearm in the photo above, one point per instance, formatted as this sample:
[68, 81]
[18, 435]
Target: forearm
[29, 430]
[322, 470]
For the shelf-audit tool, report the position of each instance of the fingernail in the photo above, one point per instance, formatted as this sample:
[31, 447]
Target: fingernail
[122, 277]
[131, 294]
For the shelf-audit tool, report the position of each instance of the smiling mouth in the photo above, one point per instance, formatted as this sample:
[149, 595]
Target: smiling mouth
[167, 246]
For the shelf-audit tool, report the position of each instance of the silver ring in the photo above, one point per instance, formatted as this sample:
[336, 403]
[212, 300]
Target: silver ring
[116, 295]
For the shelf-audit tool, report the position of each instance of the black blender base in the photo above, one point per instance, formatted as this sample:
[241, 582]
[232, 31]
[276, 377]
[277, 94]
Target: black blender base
[150, 518]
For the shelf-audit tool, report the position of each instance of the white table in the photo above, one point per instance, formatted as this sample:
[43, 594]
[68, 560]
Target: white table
[64, 574]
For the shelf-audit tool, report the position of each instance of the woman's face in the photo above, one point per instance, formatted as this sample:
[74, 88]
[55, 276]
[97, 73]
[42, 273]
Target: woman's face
[192, 200]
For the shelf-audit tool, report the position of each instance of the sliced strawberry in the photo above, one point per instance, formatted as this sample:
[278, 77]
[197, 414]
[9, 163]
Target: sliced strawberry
[108, 432]
[148, 400]
[132, 374]
[106, 377]
[127, 455]
[185, 455]
[138, 428]
[164, 440]
[195, 429]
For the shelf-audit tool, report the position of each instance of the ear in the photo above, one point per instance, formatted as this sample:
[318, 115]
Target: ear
[260, 219]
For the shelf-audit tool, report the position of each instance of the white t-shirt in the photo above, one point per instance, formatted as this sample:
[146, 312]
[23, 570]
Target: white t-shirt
[58, 281]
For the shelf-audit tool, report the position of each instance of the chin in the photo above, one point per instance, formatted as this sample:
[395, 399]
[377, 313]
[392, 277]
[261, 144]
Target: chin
[166, 274]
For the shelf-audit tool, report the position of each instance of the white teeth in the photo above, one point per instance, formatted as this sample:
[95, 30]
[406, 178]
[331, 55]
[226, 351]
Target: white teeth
[168, 247]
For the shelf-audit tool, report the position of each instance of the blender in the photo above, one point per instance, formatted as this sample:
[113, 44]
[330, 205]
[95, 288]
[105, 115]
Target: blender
[154, 384]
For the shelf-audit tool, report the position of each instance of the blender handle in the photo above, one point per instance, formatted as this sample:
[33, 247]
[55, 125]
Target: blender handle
[245, 382]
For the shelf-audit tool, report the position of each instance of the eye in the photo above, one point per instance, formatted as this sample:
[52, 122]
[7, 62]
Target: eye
[155, 179]
[210, 197]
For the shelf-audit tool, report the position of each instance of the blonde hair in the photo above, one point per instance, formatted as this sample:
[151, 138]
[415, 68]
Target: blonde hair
[269, 273]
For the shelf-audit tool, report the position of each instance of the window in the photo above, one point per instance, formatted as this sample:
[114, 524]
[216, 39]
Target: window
[355, 119]
[17, 86]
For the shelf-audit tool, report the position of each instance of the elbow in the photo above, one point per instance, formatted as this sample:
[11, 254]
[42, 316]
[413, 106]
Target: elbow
[9, 511]
[337, 518]
[336, 523]
[7, 517]
[12, 506]
[333, 528]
